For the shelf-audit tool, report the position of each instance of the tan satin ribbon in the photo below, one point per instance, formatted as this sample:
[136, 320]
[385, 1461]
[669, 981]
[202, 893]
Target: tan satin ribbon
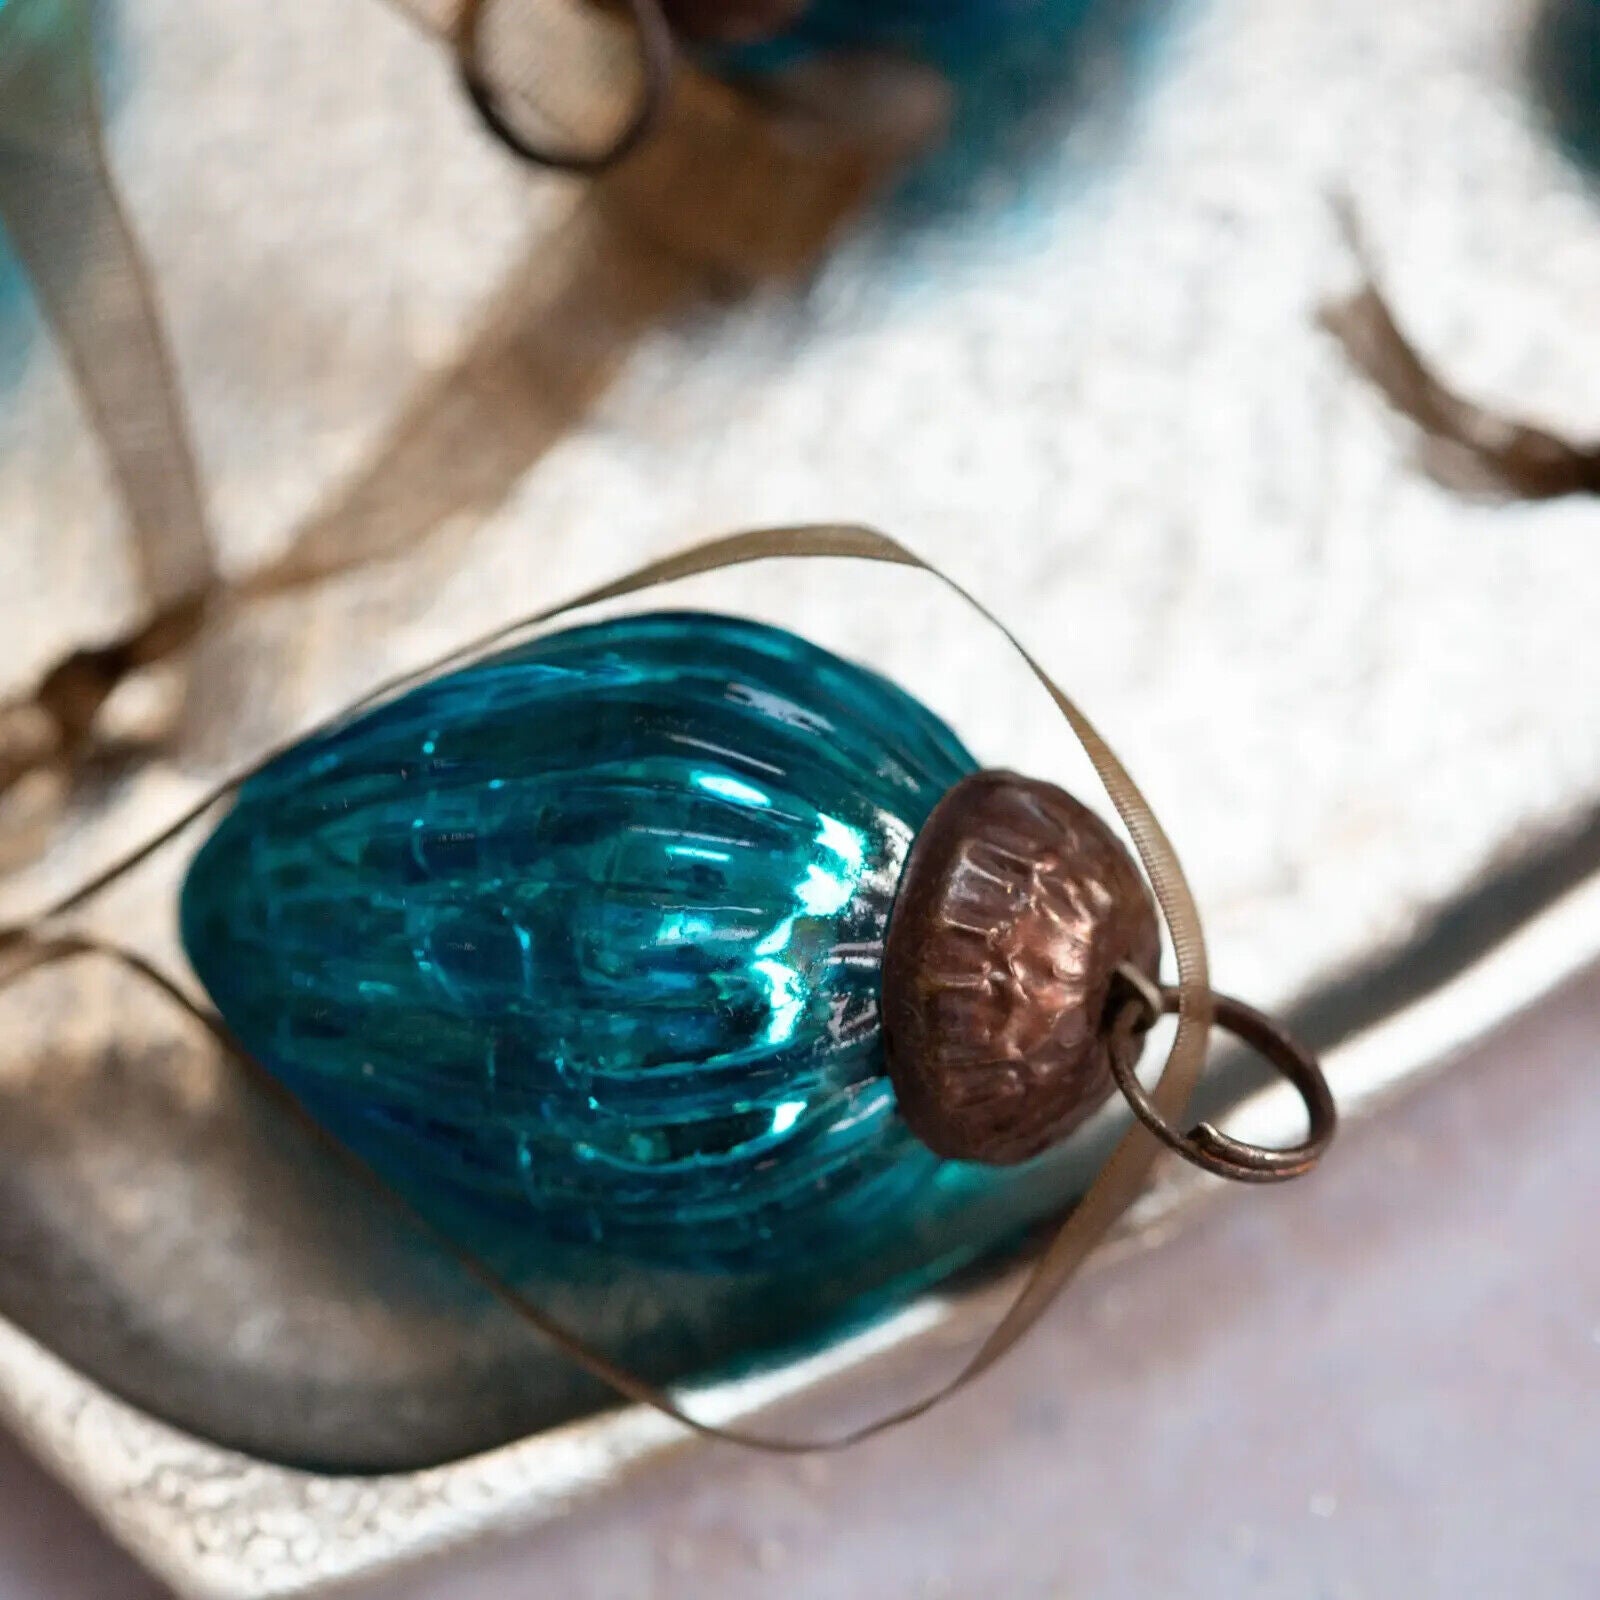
[1113, 1190]
[60, 208]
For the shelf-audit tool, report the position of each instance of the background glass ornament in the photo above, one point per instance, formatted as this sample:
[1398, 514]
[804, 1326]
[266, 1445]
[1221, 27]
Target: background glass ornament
[1011, 74]
[1564, 67]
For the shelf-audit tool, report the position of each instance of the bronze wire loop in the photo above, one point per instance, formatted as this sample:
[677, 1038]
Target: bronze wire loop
[43, 942]
[657, 61]
[1205, 1146]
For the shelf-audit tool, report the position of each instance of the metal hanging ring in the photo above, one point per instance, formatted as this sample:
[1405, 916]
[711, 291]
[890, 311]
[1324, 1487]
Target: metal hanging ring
[1205, 1146]
[657, 60]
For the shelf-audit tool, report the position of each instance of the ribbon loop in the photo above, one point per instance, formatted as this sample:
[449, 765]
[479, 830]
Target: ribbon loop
[1112, 1191]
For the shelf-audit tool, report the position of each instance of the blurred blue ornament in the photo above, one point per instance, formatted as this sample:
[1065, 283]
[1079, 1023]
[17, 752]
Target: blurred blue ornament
[1564, 63]
[1016, 69]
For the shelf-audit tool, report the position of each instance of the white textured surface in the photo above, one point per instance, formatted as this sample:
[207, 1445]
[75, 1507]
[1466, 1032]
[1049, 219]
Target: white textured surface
[1108, 410]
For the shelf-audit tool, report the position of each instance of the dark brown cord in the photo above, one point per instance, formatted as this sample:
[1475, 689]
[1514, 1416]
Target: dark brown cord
[657, 63]
[1467, 441]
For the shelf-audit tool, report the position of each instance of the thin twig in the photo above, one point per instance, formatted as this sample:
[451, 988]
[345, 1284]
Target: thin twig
[1467, 442]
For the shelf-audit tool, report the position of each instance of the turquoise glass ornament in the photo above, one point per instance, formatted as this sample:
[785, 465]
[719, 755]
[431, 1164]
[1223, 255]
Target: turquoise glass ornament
[586, 938]
[587, 949]
[580, 947]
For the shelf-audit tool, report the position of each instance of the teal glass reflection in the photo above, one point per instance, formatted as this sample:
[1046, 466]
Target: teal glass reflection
[589, 933]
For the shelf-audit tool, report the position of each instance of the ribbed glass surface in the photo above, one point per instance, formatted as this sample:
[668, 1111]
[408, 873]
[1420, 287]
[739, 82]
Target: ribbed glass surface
[588, 935]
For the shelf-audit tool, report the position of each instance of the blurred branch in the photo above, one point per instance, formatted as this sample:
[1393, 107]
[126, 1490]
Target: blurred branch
[1468, 444]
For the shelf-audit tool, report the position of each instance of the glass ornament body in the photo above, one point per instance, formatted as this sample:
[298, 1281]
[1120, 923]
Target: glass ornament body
[589, 935]
[580, 947]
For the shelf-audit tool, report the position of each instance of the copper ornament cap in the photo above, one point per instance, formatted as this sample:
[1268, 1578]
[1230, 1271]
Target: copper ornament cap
[1016, 907]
